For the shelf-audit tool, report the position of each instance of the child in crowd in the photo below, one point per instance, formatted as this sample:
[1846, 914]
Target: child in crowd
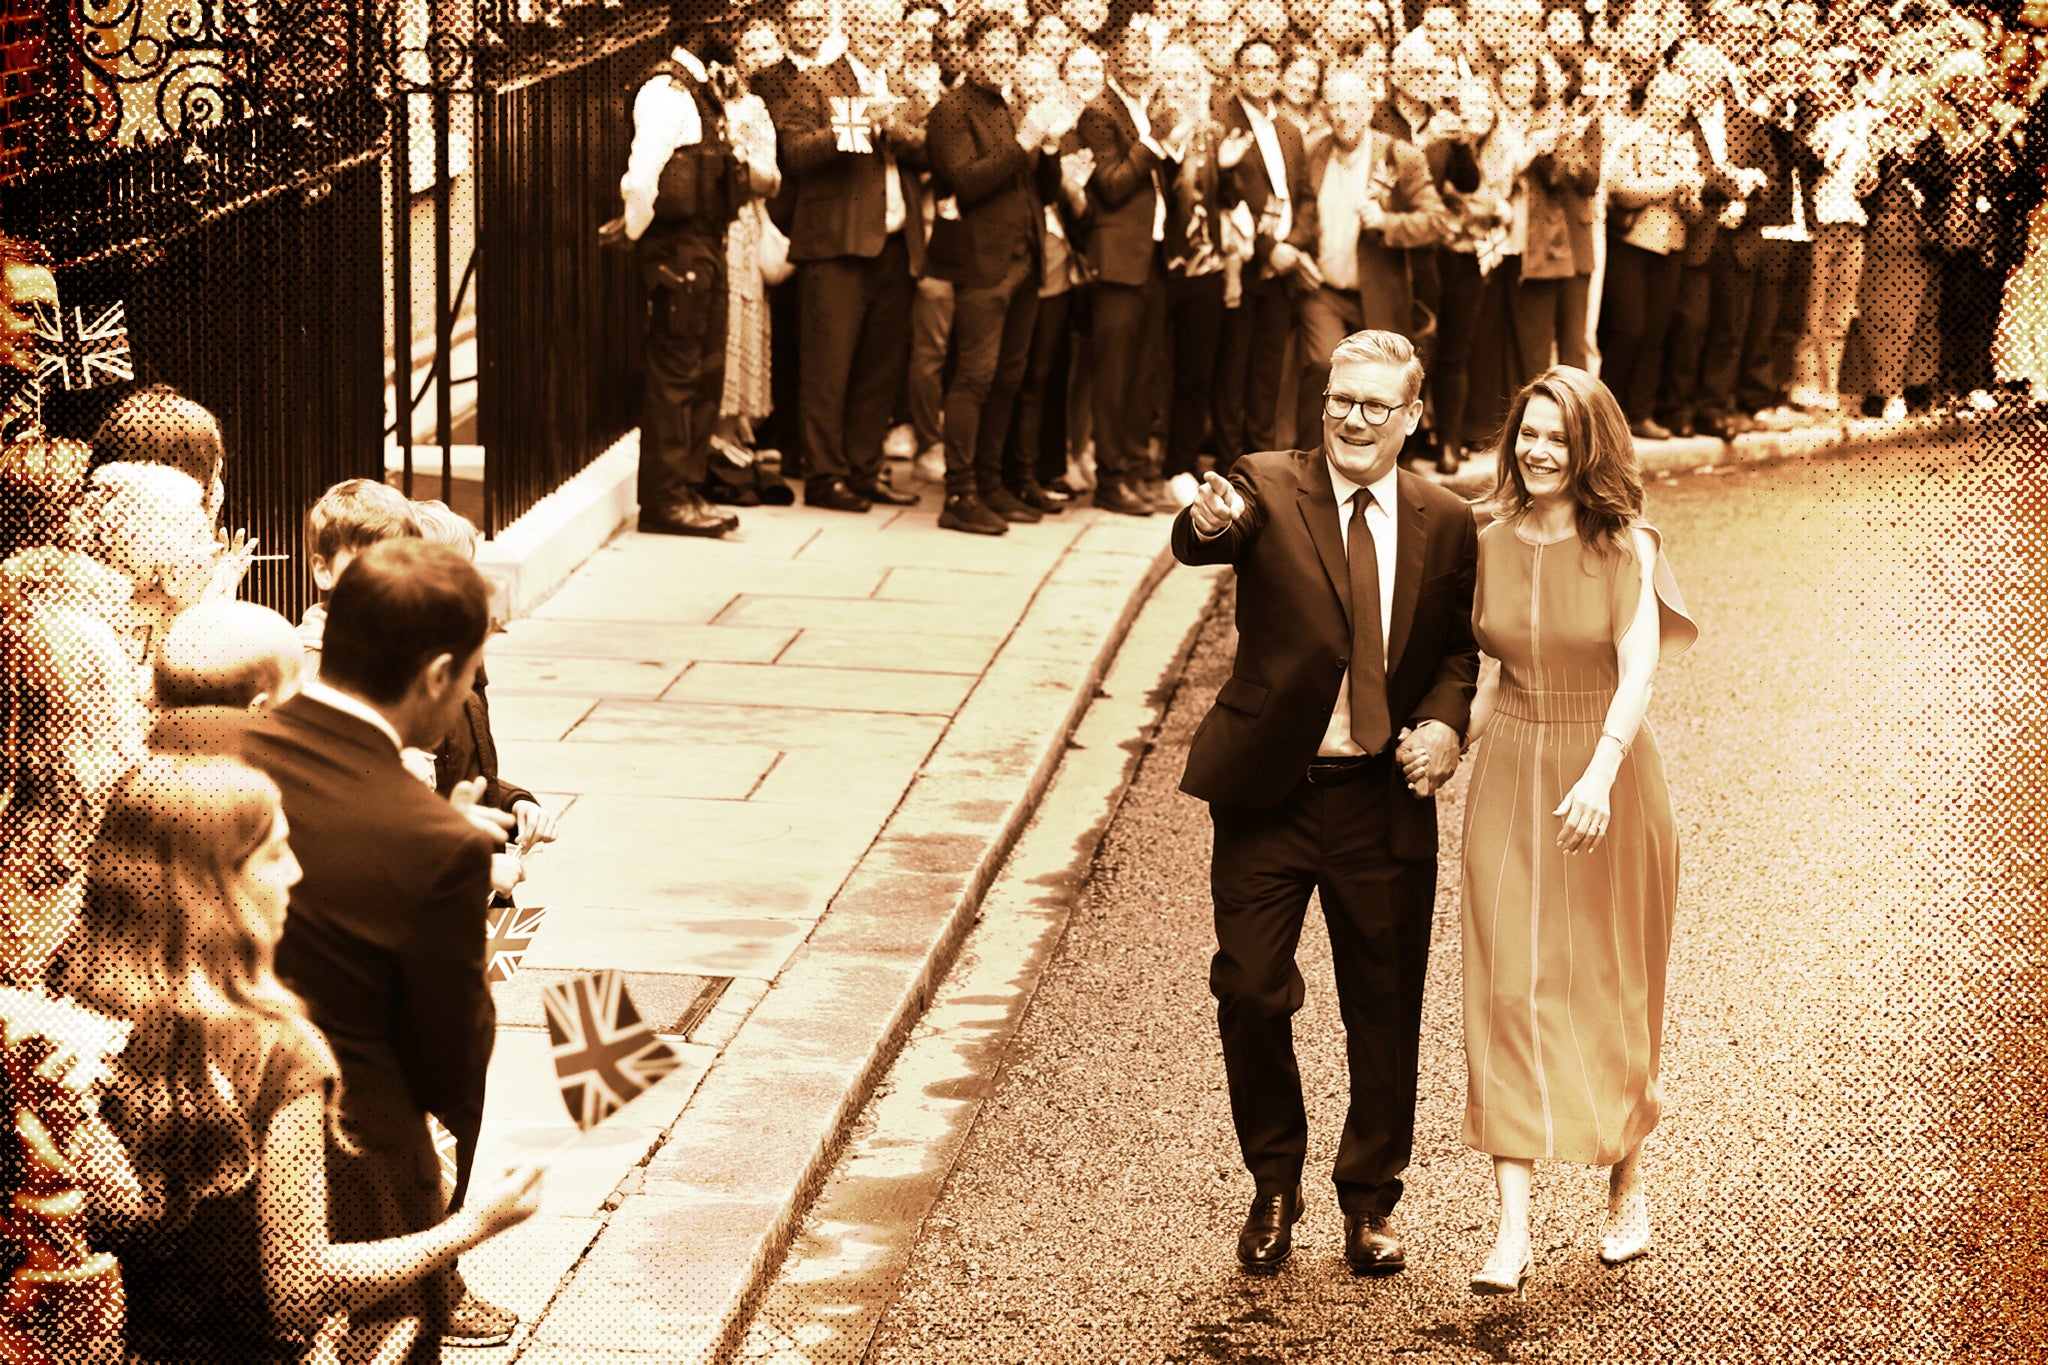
[470, 752]
[348, 519]
[224, 1098]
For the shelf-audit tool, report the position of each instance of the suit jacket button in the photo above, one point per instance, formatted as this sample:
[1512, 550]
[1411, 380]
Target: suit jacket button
[1343, 663]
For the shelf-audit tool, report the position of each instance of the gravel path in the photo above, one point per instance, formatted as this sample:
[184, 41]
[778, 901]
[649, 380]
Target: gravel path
[1851, 1163]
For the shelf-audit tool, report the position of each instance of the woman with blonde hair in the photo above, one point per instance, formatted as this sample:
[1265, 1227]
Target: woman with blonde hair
[224, 1096]
[1571, 855]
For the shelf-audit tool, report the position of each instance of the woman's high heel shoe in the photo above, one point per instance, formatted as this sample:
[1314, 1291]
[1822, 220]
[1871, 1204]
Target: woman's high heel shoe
[1627, 1234]
[1490, 1281]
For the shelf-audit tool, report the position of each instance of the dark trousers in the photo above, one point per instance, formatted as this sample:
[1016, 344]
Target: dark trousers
[1757, 387]
[856, 317]
[1685, 342]
[1744, 309]
[685, 367]
[1334, 841]
[1635, 311]
[1038, 427]
[1550, 320]
[1461, 292]
[1789, 327]
[1970, 297]
[1248, 365]
[931, 328]
[1128, 320]
[1194, 328]
[991, 348]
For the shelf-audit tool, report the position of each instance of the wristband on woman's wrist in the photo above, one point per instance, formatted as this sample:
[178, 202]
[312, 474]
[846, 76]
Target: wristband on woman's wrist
[1621, 743]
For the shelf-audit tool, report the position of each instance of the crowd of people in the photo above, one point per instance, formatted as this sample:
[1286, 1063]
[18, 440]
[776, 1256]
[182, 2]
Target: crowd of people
[1089, 249]
[245, 873]
[1081, 250]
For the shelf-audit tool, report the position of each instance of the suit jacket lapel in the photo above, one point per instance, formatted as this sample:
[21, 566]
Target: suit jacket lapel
[1408, 548]
[1318, 503]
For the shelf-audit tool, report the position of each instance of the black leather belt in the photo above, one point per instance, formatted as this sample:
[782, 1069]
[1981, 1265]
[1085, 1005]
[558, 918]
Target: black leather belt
[1335, 772]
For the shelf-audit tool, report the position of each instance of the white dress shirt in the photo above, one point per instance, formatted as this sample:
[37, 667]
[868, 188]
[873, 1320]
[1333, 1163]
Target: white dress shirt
[1379, 516]
[1143, 119]
[1268, 141]
[1340, 206]
[1714, 125]
[876, 84]
[665, 118]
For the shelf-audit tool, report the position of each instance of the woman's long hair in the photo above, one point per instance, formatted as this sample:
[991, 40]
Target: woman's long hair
[1602, 477]
[172, 941]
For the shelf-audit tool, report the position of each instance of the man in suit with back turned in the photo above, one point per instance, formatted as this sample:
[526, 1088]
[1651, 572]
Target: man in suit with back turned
[384, 936]
[1345, 711]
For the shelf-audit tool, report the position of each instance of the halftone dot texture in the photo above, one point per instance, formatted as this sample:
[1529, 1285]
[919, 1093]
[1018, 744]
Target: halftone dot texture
[1852, 1162]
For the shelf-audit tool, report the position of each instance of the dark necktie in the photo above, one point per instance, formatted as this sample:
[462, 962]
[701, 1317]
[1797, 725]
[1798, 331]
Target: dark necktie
[1370, 728]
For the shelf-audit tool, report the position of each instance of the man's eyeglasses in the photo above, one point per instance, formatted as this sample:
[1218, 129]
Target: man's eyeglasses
[1372, 410]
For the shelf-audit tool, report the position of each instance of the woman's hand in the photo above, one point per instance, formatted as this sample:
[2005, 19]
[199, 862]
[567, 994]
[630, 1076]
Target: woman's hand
[511, 1202]
[536, 823]
[1585, 812]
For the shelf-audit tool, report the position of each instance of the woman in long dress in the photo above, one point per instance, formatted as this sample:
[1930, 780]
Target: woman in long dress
[1571, 860]
[746, 399]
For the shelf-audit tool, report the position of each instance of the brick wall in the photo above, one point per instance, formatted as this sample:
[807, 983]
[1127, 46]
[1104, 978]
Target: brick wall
[21, 66]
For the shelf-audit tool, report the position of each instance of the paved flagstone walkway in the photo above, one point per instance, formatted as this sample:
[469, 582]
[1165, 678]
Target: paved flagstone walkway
[729, 729]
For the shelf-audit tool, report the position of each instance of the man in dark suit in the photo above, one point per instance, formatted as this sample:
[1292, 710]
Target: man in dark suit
[1126, 237]
[384, 938]
[1748, 268]
[856, 235]
[1345, 711]
[992, 175]
[1270, 179]
[1685, 342]
[1197, 281]
[1370, 203]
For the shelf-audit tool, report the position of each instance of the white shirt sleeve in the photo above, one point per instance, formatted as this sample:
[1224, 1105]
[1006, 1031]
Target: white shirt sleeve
[664, 118]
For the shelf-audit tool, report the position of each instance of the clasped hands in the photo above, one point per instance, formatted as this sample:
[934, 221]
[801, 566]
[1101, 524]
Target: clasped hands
[1428, 755]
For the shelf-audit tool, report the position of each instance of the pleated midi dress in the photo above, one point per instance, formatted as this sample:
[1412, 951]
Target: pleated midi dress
[1564, 956]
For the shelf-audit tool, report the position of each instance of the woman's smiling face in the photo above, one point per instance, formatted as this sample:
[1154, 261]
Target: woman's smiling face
[1540, 451]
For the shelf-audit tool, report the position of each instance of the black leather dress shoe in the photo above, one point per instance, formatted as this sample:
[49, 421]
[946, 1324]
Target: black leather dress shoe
[1649, 429]
[1010, 507]
[1121, 497]
[1034, 494]
[881, 494]
[1370, 1245]
[835, 495]
[692, 518]
[1268, 1233]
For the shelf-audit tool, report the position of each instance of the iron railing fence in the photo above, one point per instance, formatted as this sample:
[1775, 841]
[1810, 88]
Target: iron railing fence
[558, 321]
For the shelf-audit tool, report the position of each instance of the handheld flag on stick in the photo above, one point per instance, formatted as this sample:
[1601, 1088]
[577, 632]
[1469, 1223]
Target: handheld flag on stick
[508, 932]
[604, 1053]
[851, 130]
[82, 348]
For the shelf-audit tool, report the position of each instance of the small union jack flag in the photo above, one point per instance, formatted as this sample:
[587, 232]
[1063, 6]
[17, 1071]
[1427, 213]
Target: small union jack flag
[508, 933]
[91, 350]
[604, 1053]
[444, 1148]
[850, 126]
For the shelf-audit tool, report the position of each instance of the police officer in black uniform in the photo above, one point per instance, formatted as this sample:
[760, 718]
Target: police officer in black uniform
[684, 184]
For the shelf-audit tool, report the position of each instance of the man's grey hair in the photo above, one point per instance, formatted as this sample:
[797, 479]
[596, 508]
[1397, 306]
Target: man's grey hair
[1382, 348]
